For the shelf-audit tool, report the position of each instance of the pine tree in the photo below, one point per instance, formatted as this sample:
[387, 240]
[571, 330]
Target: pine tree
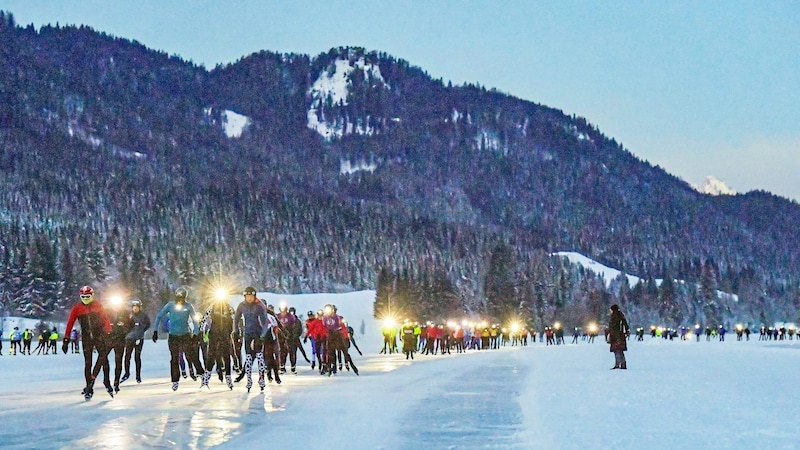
[501, 298]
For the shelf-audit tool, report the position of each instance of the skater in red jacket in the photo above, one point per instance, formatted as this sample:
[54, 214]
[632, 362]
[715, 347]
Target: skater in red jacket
[95, 331]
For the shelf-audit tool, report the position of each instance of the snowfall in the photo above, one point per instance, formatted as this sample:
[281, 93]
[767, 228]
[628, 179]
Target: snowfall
[675, 394]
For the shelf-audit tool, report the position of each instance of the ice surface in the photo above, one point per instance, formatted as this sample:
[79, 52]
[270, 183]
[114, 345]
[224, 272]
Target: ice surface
[676, 394]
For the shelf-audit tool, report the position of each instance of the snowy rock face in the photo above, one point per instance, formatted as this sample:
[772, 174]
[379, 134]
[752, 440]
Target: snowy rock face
[331, 91]
[713, 186]
[234, 123]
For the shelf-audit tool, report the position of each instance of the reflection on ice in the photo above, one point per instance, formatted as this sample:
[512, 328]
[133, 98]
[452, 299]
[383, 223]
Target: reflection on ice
[213, 427]
[112, 434]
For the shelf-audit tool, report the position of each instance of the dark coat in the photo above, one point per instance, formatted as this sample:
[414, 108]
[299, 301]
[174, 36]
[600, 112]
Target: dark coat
[617, 331]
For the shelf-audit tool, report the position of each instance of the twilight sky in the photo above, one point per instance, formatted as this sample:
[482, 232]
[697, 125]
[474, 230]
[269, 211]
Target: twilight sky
[698, 88]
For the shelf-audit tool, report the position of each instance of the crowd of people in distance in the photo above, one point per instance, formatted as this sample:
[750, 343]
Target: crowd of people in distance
[447, 337]
[430, 338]
[20, 342]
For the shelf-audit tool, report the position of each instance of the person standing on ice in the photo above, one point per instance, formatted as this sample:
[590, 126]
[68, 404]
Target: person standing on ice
[272, 345]
[311, 322]
[183, 337]
[134, 340]
[120, 327]
[27, 337]
[16, 338]
[218, 321]
[295, 332]
[351, 333]
[251, 316]
[319, 335]
[95, 328]
[408, 338]
[286, 339]
[617, 337]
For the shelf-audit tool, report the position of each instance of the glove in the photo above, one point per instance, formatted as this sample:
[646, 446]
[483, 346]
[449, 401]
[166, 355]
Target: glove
[65, 345]
[155, 336]
[305, 340]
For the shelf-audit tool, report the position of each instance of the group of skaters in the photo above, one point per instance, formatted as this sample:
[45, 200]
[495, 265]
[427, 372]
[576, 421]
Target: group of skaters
[223, 340]
[717, 333]
[20, 342]
[252, 334]
[430, 338]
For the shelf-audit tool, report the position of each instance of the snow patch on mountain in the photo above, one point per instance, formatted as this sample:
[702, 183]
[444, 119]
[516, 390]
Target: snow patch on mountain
[713, 186]
[331, 90]
[234, 123]
[348, 168]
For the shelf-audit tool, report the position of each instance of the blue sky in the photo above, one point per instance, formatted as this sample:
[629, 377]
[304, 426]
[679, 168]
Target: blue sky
[698, 88]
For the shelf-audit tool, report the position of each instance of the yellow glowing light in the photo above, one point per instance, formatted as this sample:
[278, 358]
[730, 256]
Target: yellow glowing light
[116, 300]
[593, 327]
[221, 293]
[557, 325]
[388, 322]
[515, 327]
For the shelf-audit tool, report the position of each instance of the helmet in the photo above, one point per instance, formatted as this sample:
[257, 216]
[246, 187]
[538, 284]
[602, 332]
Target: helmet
[181, 293]
[310, 314]
[270, 308]
[87, 294]
[136, 302]
[292, 310]
[249, 290]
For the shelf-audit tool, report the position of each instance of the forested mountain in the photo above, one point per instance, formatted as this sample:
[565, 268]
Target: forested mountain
[129, 169]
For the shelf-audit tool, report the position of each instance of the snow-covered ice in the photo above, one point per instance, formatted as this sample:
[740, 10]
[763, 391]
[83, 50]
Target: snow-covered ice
[676, 394]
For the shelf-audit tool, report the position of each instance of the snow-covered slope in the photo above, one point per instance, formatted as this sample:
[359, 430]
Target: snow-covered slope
[608, 273]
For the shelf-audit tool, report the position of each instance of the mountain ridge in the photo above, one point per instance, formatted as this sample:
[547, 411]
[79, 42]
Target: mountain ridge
[454, 175]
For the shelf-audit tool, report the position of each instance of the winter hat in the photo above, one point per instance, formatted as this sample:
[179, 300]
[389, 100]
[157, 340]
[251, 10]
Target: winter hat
[615, 307]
